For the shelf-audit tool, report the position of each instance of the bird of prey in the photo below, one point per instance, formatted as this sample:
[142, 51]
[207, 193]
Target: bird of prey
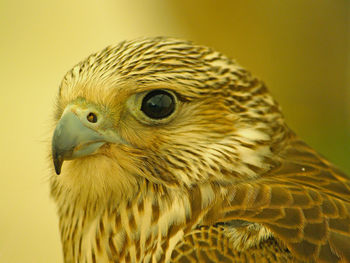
[168, 151]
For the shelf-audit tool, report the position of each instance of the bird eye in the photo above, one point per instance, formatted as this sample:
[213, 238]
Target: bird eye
[158, 104]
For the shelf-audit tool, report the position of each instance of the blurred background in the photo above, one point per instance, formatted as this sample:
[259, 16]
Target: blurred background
[300, 48]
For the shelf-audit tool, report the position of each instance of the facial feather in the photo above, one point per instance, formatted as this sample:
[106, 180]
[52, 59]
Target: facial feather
[221, 133]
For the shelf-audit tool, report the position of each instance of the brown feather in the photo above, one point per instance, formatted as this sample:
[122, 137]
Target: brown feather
[222, 179]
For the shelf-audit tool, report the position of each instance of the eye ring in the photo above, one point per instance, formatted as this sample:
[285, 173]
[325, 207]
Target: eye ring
[158, 104]
[135, 101]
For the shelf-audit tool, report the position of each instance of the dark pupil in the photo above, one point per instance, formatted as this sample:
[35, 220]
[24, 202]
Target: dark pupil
[158, 104]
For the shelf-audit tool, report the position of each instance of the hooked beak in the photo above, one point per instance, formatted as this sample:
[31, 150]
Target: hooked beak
[72, 139]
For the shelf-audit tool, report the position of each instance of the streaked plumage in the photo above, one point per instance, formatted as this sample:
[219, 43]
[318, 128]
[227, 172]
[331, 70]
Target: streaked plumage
[221, 179]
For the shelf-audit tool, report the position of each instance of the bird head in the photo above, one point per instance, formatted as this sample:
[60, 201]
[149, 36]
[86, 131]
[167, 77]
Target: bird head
[163, 111]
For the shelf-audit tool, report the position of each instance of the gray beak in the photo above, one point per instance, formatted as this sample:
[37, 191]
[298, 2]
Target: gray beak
[72, 139]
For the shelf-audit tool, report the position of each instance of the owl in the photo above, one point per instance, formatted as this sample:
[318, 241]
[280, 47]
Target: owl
[168, 151]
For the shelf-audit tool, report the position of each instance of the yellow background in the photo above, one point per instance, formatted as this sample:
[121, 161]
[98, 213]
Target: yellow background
[300, 48]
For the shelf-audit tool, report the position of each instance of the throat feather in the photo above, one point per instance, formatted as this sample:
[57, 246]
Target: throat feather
[147, 227]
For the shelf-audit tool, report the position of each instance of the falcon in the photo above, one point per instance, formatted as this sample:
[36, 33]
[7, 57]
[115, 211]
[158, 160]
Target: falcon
[168, 151]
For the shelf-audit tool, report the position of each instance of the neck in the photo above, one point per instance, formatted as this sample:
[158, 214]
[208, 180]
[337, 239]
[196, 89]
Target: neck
[145, 228]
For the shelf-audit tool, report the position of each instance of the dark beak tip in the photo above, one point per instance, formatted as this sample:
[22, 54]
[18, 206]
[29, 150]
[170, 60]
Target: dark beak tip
[57, 162]
[58, 170]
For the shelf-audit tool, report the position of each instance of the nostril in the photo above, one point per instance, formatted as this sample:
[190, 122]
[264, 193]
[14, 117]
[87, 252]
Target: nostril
[91, 117]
